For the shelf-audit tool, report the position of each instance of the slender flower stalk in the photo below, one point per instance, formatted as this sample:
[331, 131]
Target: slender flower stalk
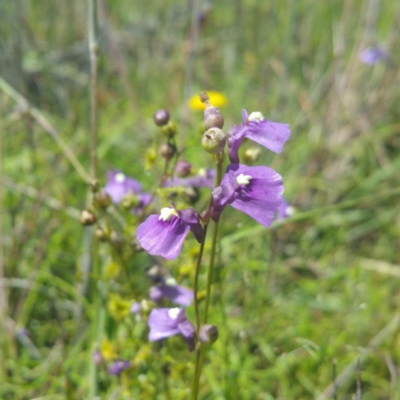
[199, 352]
[93, 48]
[213, 247]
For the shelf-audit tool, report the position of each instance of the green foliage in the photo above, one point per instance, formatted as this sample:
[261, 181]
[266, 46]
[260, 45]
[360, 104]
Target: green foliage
[315, 291]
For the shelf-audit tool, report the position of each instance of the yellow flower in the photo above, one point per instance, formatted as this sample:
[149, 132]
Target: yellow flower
[117, 307]
[217, 99]
[107, 350]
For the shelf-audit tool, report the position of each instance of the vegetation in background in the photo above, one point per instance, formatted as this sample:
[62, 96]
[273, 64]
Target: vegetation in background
[298, 303]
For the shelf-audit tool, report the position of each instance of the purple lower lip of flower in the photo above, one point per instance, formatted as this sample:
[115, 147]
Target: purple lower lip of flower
[373, 55]
[118, 366]
[285, 210]
[176, 293]
[166, 322]
[164, 234]
[144, 200]
[256, 191]
[203, 179]
[272, 135]
[135, 308]
[119, 185]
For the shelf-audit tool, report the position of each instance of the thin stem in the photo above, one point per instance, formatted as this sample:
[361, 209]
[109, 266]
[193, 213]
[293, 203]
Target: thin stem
[93, 48]
[196, 280]
[197, 370]
[213, 247]
[92, 246]
[47, 127]
[200, 350]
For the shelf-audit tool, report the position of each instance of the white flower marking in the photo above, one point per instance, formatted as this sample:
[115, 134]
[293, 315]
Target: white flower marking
[255, 116]
[167, 213]
[120, 177]
[174, 312]
[243, 179]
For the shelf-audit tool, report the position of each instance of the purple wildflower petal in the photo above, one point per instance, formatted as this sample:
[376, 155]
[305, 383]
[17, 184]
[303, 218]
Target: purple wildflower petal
[135, 308]
[271, 135]
[191, 218]
[204, 179]
[161, 324]
[373, 55]
[119, 185]
[144, 200]
[118, 366]
[188, 331]
[176, 293]
[223, 194]
[162, 238]
[236, 136]
[285, 210]
[262, 196]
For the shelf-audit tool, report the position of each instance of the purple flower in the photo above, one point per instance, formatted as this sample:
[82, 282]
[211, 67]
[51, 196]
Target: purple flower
[271, 135]
[119, 185]
[256, 191]
[172, 291]
[166, 322]
[373, 55]
[118, 366]
[135, 308]
[204, 178]
[285, 210]
[164, 234]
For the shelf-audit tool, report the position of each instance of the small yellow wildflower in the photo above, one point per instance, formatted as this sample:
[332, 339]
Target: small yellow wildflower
[217, 99]
[107, 350]
[117, 307]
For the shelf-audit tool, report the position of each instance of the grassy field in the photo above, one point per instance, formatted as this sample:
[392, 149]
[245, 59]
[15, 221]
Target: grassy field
[298, 305]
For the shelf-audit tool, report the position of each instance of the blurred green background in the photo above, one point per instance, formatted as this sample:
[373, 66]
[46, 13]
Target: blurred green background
[299, 303]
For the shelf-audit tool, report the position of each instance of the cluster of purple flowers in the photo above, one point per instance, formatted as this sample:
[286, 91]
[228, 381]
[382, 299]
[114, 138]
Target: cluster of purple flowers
[256, 191]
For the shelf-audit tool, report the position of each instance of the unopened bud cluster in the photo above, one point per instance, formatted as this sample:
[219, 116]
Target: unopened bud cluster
[214, 139]
[168, 128]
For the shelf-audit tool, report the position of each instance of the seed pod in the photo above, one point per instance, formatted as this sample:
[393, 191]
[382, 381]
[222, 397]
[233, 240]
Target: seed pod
[212, 117]
[169, 130]
[208, 333]
[182, 168]
[102, 199]
[213, 141]
[88, 218]
[167, 150]
[161, 117]
[129, 201]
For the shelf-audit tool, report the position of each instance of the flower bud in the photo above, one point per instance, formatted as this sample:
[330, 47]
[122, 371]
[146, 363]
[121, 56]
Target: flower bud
[116, 240]
[100, 235]
[88, 218]
[129, 201]
[102, 199]
[161, 117]
[167, 150]
[212, 117]
[251, 154]
[182, 168]
[213, 141]
[169, 130]
[208, 333]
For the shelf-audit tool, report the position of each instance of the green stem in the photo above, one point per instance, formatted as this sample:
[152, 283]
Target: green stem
[197, 371]
[200, 351]
[213, 245]
[196, 280]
